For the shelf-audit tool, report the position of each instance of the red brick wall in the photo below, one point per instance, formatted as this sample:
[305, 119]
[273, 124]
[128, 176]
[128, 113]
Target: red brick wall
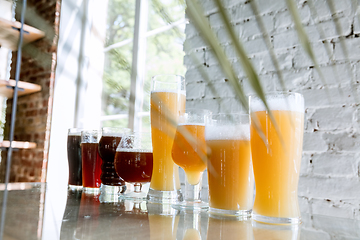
[33, 115]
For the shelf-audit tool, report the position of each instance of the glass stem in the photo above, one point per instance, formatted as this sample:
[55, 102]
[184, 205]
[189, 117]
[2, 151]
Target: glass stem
[193, 192]
[137, 187]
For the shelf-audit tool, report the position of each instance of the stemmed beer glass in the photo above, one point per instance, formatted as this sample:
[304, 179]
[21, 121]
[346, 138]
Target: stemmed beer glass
[189, 151]
[134, 162]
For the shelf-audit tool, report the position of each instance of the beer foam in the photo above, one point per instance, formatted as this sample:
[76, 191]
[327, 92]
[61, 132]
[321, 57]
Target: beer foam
[111, 134]
[75, 134]
[133, 150]
[280, 102]
[169, 91]
[228, 132]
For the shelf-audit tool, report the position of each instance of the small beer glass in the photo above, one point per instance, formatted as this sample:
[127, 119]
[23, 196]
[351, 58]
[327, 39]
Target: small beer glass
[74, 158]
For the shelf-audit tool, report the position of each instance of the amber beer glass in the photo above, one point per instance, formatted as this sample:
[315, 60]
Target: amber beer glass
[189, 152]
[230, 173]
[277, 156]
[167, 101]
[111, 183]
[91, 161]
[134, 162]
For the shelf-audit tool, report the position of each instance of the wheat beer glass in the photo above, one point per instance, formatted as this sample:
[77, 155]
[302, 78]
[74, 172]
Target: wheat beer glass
[230, 173]
[276, 153]
[189, 152]
[167, 101]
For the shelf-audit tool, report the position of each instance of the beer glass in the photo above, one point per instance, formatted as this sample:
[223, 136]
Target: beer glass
[91, 161]
[111, 183]
[167, 101]
[190, 153]
[230, 174]
[74, 158]
[134, 162]
[276, 153]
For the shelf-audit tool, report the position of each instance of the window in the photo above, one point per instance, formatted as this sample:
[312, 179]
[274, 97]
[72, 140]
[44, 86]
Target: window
[142, 39]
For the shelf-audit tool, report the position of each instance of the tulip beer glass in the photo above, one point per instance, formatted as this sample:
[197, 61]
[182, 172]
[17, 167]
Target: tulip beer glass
[167, 101]
[134, 162]
[276, 153]
[231, 181]
[190, 153]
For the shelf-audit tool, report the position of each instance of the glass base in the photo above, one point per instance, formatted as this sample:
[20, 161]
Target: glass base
[75, 187]
[276, 220]
[91, 190]
[155, 196]
[192, 205]
[110, 193]
[112, 190]
[222, 213]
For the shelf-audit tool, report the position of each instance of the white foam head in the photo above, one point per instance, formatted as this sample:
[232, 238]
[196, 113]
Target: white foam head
[112, 134]
[287, 102]
[74, 134]
[227, 132]
[133, 150]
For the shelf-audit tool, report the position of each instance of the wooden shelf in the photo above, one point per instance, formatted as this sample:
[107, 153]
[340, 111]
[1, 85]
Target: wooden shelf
[17, 144]
[6, 88]
[10, 32]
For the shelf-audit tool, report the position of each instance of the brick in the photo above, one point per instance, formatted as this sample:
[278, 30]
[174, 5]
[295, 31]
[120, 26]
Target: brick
[335, 188]
[330, 31]
[326, 207]
[314, 141]
[302, 59]
[335, 164]
[352, 49]
[344, 228]
[314, 234]
[342, 141]
[341, 117]
[197, 92]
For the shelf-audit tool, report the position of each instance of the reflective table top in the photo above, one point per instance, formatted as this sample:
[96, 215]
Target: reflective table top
[34, 212]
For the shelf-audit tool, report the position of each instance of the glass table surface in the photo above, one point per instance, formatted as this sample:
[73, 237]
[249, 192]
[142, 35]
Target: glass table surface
[35, 212]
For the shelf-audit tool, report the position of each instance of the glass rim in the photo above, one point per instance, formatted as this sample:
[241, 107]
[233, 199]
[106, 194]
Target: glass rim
[274, 93]
[174, 75]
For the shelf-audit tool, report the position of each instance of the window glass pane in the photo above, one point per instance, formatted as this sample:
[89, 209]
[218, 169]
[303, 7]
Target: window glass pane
[117, 69]
[163, 12]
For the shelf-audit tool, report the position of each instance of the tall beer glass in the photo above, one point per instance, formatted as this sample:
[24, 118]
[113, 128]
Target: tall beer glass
[91, 161]
[231, 181]
[167, 101]
[74, 158]
[277, 158]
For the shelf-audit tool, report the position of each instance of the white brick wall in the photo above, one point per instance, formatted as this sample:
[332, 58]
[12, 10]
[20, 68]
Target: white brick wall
[330, 173]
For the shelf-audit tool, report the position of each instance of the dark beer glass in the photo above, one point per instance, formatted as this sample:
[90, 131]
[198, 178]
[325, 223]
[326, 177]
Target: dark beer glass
[111, 183]
[91, 161]
[134, 163]
[74, 158]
